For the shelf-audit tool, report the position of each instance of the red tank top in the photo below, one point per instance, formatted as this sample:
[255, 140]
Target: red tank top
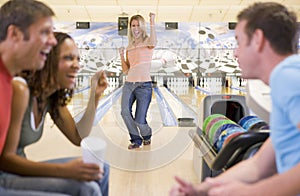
[5, 102]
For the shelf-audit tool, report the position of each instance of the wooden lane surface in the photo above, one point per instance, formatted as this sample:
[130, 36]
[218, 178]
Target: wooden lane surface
[154, 182]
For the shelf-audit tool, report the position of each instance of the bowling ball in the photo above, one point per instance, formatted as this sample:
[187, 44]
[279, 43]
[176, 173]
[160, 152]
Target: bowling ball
[243, 120]
[249, 123]
[258, 126]
[213, 121]
[227, 132]
[230, 137]
[208, 119]
[215, 127]
[220, 129]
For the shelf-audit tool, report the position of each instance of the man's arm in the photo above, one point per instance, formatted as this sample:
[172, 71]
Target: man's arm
[260, 166]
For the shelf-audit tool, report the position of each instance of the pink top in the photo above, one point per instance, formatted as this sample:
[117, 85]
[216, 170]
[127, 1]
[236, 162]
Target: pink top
[139, 58]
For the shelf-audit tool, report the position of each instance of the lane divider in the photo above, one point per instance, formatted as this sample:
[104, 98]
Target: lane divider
[238, 88]
[190, 113]
[185, 116]
[103, 106]
[203, 90]
[168, 117]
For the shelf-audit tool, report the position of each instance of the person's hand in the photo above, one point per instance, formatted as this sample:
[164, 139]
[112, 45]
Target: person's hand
[175, 191]
[121, 51]
[184, 188]
[99, 83]
[77, 169]
[152, 17]
[228, 188]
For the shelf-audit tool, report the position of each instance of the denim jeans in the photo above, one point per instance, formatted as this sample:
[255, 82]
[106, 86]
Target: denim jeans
[57, 185]
[9, 192]
[141, 93]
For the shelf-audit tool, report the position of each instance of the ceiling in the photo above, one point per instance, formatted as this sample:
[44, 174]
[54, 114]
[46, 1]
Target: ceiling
[165, 10]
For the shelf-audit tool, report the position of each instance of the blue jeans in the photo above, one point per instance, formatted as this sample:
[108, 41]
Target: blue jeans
[138, 128]
[9, 192]
[57, 185]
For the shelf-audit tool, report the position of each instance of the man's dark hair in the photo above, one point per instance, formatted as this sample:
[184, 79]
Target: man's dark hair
[278, 24]
[22, 14]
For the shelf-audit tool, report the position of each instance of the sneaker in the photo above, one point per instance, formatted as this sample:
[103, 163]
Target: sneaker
[133, 146]
[147, 142]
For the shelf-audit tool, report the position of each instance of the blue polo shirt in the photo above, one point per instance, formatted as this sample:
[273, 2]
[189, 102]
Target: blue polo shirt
[285, 115]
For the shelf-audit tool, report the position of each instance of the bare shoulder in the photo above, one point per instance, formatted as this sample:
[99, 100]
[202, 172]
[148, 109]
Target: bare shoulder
[149, 43]
[20, 86]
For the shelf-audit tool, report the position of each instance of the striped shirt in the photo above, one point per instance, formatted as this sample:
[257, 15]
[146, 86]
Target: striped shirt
[139, 58]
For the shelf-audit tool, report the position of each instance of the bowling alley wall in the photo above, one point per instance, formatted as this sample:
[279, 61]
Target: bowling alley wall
[193, 52]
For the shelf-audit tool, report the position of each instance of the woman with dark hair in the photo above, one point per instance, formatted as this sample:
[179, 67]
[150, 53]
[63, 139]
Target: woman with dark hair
[138, 85]
[49, 90]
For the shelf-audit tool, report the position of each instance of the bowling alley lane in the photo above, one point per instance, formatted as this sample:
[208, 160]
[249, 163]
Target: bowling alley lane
[171, 150]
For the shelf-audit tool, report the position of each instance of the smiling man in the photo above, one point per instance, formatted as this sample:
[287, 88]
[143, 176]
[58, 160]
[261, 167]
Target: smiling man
[267, 37]
[26, 37]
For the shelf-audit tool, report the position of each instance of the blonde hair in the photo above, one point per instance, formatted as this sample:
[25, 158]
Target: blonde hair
[142, 24]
